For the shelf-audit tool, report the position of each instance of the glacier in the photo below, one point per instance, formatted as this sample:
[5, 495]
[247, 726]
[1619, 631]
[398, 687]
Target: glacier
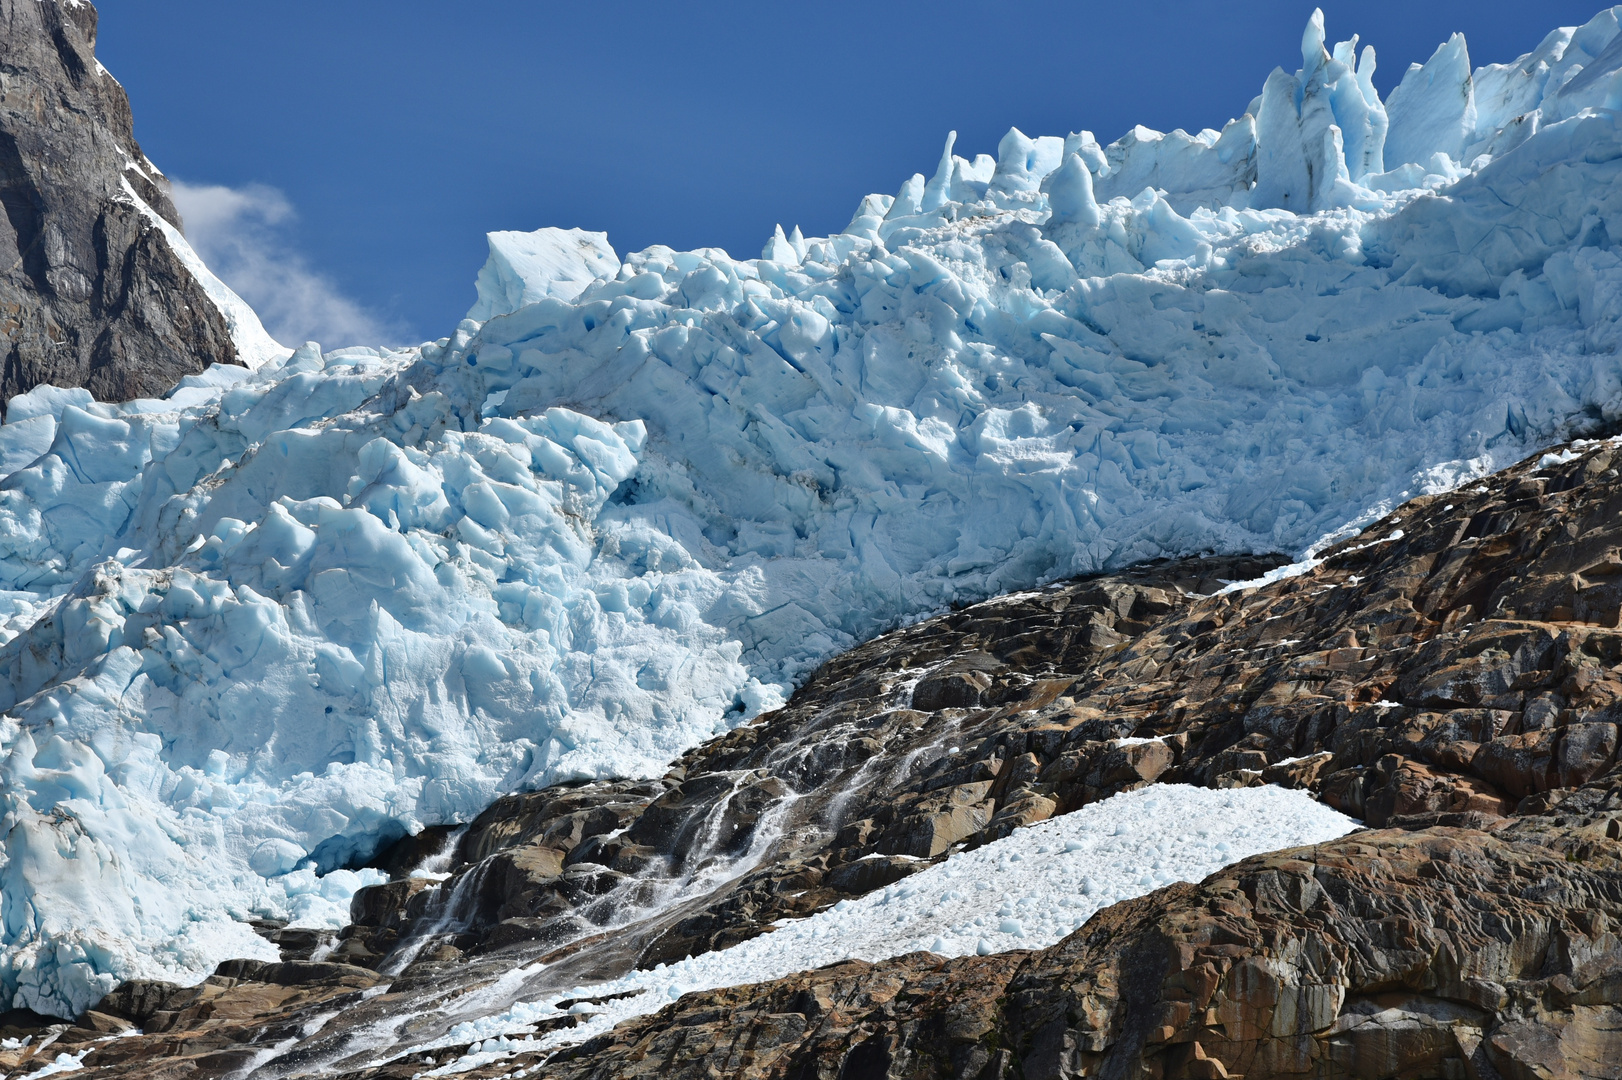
[258, 629]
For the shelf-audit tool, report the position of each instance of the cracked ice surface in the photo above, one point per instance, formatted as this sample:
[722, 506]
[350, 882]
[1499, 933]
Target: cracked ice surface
[258, 628]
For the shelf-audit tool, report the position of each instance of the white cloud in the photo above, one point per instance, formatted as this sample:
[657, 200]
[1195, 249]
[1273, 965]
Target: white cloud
[241, 234]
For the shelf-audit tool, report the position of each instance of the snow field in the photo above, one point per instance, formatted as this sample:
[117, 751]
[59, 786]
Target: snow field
[1025, 891]
[255, 630]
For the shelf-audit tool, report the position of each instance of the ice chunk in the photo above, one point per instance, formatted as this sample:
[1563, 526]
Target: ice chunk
[46, 401]
[1599, 83]
[1206, 170]
[1319, 129]
[1022, 162]
[1070, 194]
[779, 249]
[524, 267]
[1358, 110]
[938, 191]
[1433, 109]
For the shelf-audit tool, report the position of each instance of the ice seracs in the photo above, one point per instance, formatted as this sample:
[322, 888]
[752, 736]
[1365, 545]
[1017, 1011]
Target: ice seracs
[1433, 109]
[524, 267]
[257, 629]
[1319, 131]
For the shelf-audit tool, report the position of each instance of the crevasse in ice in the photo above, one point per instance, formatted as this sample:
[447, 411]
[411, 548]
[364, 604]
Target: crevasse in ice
[256, 629]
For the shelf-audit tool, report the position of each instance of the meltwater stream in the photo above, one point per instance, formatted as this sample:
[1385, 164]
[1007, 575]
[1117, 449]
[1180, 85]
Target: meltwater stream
[603, 936]
[1026, 891]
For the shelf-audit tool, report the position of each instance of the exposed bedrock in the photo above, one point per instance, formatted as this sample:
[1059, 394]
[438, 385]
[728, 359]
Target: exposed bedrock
[91, 293]
[1440, 952]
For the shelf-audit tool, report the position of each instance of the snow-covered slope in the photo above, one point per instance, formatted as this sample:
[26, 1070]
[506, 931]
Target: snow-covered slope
[255, 347]
[259, 628]
[1025, 891]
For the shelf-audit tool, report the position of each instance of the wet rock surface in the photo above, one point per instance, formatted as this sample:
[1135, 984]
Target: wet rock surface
[91, 294]
[1451, 676]
[1428, 953]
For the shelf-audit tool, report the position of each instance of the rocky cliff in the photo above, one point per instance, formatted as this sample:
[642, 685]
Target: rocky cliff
[92, 293]
[1451, 676]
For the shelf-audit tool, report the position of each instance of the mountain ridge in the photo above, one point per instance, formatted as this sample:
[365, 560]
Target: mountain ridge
[98, 289]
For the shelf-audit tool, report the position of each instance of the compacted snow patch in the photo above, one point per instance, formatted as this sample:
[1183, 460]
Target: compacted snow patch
[1025, 891]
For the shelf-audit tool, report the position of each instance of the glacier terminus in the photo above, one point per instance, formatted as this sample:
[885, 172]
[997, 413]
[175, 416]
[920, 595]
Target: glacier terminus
[257, 629]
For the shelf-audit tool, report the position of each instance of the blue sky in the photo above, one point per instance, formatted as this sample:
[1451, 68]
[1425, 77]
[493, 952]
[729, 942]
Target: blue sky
[344, 158]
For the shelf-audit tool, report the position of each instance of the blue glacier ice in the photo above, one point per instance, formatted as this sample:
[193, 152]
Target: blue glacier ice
[258, 628]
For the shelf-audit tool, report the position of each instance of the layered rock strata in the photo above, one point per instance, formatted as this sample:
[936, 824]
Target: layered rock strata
[1436, 952]
[1453, 676]
[92, 294]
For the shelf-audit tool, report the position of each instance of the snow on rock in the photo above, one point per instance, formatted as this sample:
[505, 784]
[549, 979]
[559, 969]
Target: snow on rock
[255, 347]
[1025, 891]
[63, 1062]
[255, 630]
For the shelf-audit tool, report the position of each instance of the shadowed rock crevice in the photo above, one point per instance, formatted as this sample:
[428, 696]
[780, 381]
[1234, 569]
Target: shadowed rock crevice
[25, 210]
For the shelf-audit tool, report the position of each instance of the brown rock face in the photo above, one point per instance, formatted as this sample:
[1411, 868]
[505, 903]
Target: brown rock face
[1434, 953]
[91, 294]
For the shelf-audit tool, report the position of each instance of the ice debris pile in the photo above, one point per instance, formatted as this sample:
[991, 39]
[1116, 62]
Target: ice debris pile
[257, 629]
[1025, 891]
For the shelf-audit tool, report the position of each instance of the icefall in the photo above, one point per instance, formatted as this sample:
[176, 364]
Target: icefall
[259, 628]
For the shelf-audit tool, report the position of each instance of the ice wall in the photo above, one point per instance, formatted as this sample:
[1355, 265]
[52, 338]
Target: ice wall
[256, 629]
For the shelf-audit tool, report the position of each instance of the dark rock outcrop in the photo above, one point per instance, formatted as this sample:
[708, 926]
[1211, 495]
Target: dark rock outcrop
[91, 293]
[1441, 952]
